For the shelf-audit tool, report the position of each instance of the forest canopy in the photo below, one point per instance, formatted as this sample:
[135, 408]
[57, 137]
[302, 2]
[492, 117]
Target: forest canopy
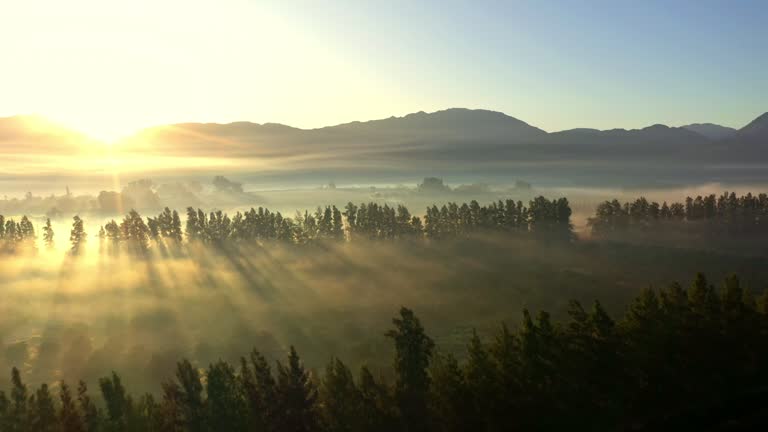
[675, 354]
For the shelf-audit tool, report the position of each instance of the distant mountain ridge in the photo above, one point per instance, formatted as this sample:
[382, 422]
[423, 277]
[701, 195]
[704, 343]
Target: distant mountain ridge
[757, 129]
[456, 135]
[461, 121]
[711, 131]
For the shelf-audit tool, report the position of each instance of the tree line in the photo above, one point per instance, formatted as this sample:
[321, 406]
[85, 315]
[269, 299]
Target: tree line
[675, 350]
[15, 235]
[373, 221]
[726, 214]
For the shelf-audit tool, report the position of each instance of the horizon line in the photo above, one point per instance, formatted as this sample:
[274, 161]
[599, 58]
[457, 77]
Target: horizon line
[271, 123]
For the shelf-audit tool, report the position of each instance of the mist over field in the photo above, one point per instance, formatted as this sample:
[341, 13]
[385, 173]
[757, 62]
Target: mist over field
[88, 315]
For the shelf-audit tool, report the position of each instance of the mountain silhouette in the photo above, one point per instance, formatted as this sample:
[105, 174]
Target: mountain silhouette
[453, 122]
[756, 130]
[455, 137]
[711, 131]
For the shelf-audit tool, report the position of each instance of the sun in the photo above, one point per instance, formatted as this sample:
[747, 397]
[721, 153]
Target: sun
[101, 129]
[106, 134]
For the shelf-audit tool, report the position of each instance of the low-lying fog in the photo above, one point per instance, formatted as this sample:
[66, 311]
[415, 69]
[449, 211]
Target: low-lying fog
[82, 317]
[98, 202]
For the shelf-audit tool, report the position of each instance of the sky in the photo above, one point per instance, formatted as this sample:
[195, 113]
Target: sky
[109, 68]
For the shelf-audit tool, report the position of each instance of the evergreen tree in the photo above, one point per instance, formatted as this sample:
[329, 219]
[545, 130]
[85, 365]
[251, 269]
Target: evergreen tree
[341, 399]
[297, 397]
[69, 417]
[193, 229]
[43, 411]
[118, 402]
[135, 233]
[350, 213]
[175, 228]
[77, 236]
[491, 377]
[88, 411]
[5, 404]
[414, 351]
[48, 234]
[378, 410]
[449, 397]
[27, 232]
[18, 414]
[259, 389]
[189, 395]
[225, 407]
[170, 410]
[337, 224]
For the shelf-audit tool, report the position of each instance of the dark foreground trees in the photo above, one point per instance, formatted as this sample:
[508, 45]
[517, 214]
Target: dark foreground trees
[676, 353]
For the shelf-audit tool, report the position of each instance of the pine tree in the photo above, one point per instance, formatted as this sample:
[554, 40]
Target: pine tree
[175, 229]
[414, 351]
[337, 226]
[44, 413]
[117, 401]
[135, 233]
[48, 234]
[5, 405]
[225, 408]
[171, 416]
[27, 232]
[190, 397]
[69, 417]
[491, 376]
[18, 416]
[193, 230]
[341, 399]
[88, 411]
[350, 212]
[378, 410]
[259, 390]
[297, 397]
[449, 397]
[77, 236]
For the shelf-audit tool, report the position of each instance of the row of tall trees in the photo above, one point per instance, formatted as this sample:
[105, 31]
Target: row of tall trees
[133, 234]
[14, 235]
[676, 351]
[365, 221]
[724, 214]
[374, 221]
[262, 224]
[541, 217]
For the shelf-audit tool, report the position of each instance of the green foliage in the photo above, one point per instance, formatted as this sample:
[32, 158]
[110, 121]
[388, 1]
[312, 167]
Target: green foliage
[672, 351]
[342, 401]
[710, 217]
[69, 417]
[225, 407]
[43, 411]
[297, 397]
[413, 353]
[135, 236]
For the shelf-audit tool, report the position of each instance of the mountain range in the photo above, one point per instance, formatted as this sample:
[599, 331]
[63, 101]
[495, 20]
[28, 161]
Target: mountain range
[457, 137]
[457, 134]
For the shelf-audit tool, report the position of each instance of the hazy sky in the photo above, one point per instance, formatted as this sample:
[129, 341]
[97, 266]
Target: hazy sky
[109, 67]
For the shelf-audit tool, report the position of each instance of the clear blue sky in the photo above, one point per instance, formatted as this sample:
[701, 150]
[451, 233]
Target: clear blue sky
[554, 64]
